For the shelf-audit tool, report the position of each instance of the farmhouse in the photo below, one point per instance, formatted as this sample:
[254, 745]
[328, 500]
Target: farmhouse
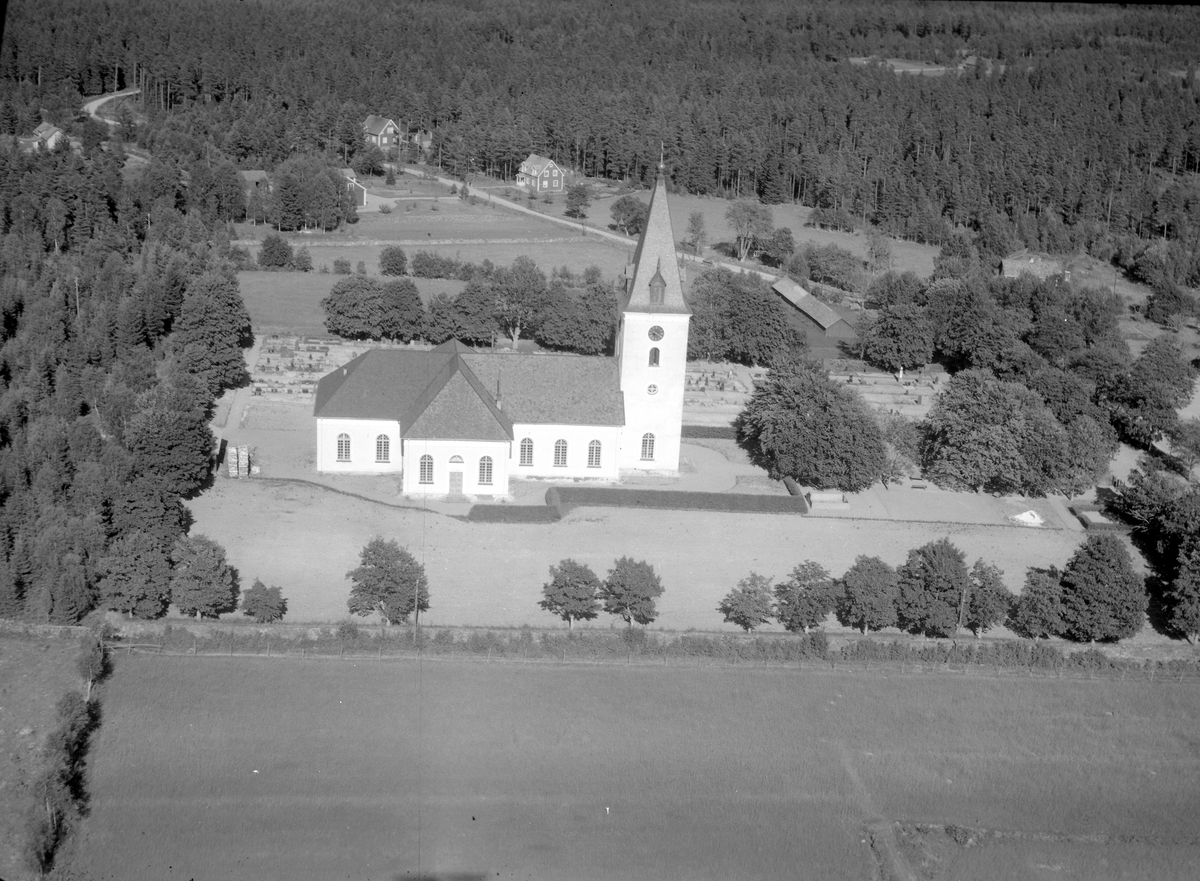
[541, 175]
[453, 421]
[823, 326]
[381, 132]
[1041, 266]
[47, 136]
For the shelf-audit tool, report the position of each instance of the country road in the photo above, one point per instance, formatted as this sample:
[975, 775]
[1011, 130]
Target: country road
[92, 108]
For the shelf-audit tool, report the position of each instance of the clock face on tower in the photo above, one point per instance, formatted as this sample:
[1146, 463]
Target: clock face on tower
[656, 333]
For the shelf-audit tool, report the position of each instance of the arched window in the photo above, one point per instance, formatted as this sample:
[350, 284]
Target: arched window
[427, 469]
[485, 471]
[456, 460]
[560, 453]
[383, 448]
[647, 447]
[654, 357]
[594, 454]
[343, 448]
[527, 451]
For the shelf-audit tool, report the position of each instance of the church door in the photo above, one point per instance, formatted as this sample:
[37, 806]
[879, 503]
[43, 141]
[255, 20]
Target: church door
[456, 483]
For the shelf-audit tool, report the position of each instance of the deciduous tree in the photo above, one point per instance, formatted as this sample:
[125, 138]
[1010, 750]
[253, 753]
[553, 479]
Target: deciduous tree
[898, 338]
[578, 200]
[1102, 596]
[934, 585]
[388, 580]
[749, 604]
[869, 595]
[799, 424]
[697, 234]
[393, 261]
[202, 582]
[805, 600]
[751, 223]
[989, 602]
[135, 577]
[1038, 610]
[264, 604]
[629, 215]
[572, 593]
[630, 590]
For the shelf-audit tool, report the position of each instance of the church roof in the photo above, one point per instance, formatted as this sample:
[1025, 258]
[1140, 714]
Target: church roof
[655, 255]
[454, 392]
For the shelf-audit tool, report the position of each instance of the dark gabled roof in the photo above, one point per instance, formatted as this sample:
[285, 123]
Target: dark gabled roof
[46, 130]
[538, 164]
[819, 312]
[553, 389]
[254, 176]
[451, 391]
[376, 124]
[455, 405]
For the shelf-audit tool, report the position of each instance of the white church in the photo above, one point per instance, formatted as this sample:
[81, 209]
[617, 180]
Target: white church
[454, 421]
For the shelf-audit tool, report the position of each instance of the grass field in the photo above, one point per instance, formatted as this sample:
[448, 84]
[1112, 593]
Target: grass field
[34, 674]
[306, 539]
[215, 768]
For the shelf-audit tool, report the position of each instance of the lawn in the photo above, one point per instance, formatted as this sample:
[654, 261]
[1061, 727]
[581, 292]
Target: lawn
[305, 539]
[213, 768]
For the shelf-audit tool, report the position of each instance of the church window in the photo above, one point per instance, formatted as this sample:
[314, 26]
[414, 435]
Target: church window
[652, 389]
[427, 468]
[343, 448]
[485, 471]
[527, 451]
[560, 453]
[383, 448]
[594, 454]
[654, 357]
[647, 447]
[456, 460]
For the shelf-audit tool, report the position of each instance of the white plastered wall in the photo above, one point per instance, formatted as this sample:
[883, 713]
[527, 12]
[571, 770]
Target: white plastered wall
[363, 434]
[661, 413]
[442, 452]
[578, 438]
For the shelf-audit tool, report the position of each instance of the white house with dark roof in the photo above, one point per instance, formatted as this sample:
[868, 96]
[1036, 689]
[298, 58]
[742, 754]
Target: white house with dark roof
[47, 136]
[541, 175]
[455, 421]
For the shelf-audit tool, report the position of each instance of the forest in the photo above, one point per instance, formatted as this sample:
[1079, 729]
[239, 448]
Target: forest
[1072, 127]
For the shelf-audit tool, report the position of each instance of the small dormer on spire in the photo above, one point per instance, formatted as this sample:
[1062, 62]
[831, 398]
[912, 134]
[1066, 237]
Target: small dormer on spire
[658, 284]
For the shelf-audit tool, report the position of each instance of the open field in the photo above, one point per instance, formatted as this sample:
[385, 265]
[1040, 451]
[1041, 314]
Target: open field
[213, 768]
[306, 539]
[34, 674]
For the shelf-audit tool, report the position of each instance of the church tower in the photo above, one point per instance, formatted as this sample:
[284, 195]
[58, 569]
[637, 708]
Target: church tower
[652, 345]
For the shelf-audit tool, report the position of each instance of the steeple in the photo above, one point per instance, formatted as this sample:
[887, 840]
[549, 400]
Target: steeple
[654, 262]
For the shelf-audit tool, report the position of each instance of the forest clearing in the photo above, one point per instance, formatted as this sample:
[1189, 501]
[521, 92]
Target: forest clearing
[237, 767]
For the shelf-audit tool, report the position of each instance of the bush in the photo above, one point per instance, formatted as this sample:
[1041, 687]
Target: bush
[385, 208]
[341, 267]
[426, 264]
[303, 260]
[393, 261]
[361, 267]
[275, 253]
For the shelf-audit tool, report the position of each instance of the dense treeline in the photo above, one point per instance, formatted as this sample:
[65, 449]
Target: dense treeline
[1081, 126]
[121, 322]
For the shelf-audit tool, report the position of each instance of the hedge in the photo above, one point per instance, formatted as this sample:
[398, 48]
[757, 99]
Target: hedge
[513, 514]
[714, 432]
[566, 499]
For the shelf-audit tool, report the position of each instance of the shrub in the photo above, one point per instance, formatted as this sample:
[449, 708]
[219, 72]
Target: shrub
[348, 630]
[385, 208]
[426, 264]
[361, 267]
[566, 498]
[275, 253]
[303, 260]
[393, 261]
[341, 267]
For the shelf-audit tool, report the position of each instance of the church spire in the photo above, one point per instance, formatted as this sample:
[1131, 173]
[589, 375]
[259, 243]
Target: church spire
[654, 262]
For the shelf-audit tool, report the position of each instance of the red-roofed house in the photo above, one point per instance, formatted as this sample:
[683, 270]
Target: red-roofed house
[541, 175]
[454, 421]
[382, 132]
